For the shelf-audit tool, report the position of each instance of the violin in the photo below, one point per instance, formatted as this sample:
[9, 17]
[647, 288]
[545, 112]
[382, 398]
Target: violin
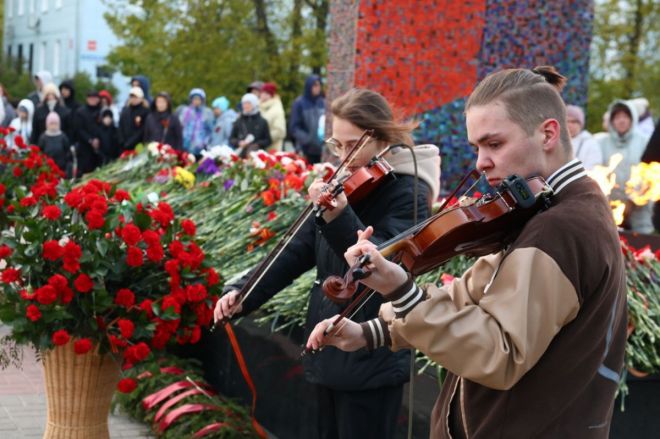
[357, 185]
[477, 229]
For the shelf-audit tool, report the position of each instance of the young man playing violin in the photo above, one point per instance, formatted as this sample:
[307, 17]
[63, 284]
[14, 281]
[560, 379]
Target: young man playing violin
[358, 394]
[533, 336]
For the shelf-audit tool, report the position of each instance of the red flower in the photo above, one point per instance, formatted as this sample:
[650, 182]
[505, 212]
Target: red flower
[134, 257]
[155, 253]
[170, 302]
[19, 141]
[125, 298]
[151, 237]
[72, 250]
[268, 197]
[126, 327]
[32, 312]
[147, 307]
[52, 250]
[5, 251]
[212, 277]
[25, 295]
[188, 227]
[196, 292]
[51, 212]
[94, 219]
[121, 195]
[195, 335]
[83, 283]
[73, 198]
[127, 385]
[117, 342]
[82, 346]
[61, 337]
[58, 281]
[17, 172]
[176, 248]
[10, 275]
[131, 234]
[66, 295]
[28, 201]
[71, 265]
[294, 182]
[136, 353]
[46, 295]
[272, 215]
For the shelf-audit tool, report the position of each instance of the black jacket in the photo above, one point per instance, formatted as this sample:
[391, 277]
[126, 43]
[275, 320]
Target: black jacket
[154, 129]
[389, 209]
[39, 121]
[131, 126]
[87, 128]
[250, 124]
[109, 143]
[57, 148]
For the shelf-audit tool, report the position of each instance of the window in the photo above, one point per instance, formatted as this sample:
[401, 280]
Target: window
[10, 8]
[57, 49]
[9, 54]
[44, 5]
[31, 59]
[20, 9]
[58, 4]
[33, 6]
[42, 56]
[20, 58]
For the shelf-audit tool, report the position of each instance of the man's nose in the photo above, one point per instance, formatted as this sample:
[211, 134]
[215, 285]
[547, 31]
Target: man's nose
[483, 161]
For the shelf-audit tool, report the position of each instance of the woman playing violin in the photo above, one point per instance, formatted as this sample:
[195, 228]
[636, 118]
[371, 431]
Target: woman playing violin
[533, 336]
[359, 393]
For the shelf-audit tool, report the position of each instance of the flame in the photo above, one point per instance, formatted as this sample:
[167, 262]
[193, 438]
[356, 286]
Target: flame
[644, 183]
[618, 207]
[604, 175]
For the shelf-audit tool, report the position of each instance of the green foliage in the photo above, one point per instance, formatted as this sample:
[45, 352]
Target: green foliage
[83, 83]
[17, 83]
[220, 46]
[624, 56]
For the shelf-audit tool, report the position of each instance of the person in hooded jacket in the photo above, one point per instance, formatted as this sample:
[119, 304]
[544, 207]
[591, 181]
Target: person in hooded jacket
[40, 80]
[271, 109]
[224, 121]
[107, 104]
[22, 123]
[359, 393]
[250, 131]
[68, 94]
[7, 113]
[108, 137]
[162, 125]
[55, 144]
[306, 112]
[87, 135]
[144, 83]
[623, 138]
[51, 102]
[197, 122]
[132, 119]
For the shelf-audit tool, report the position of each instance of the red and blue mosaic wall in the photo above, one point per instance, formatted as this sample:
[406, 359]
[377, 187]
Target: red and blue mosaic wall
[425, 56]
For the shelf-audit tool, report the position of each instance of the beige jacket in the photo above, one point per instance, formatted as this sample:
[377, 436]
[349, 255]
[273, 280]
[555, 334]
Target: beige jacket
[273, 111]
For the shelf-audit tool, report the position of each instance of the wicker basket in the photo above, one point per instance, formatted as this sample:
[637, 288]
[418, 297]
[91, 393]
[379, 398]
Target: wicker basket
[79, 391]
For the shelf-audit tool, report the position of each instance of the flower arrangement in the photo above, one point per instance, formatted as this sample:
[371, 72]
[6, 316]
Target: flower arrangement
[93, 267]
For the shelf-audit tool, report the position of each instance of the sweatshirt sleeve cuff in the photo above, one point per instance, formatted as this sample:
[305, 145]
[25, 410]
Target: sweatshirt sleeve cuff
[405, 297]
[376, 333]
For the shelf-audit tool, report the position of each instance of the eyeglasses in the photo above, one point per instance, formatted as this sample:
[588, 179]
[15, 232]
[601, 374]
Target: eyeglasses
[336, 148]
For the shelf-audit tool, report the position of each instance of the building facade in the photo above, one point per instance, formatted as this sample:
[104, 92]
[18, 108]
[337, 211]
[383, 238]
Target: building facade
[62, 37]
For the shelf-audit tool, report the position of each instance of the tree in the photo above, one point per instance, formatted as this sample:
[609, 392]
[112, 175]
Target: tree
[624, 55]
[219, 45]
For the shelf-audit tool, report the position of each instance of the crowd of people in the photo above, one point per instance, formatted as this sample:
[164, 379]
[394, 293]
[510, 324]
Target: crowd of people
[81, 138]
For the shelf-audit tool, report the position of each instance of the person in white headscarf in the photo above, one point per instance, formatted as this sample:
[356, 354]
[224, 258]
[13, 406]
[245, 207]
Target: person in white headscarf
[22, 124]
[40, 80]
[585, 147]
[250, 131]
[645, 123]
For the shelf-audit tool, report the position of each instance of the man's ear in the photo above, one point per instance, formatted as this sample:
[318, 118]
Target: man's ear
[550, 134]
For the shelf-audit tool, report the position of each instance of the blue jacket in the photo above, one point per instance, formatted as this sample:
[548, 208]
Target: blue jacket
[305, 114]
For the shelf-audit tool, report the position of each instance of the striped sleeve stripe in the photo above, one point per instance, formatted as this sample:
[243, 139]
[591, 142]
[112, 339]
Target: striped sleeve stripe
[376, 333]
[401, 306]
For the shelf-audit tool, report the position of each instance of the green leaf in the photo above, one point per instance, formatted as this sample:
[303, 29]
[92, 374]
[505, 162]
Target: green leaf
[102, 246]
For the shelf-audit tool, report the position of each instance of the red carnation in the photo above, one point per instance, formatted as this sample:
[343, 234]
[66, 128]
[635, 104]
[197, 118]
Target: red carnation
[83, 283]
[5, 251]
[51, 212]
[10, 275]
[188, 227]
[71, 265]
[131, 234]
[155, 253]
[58, 281]
[126, 327]
[82, 346]
[19, 141]
[121, 195]
[46, 295]
[125, 298]
[28, 201]
[127, 385]
[66, 295]
[73, 198]
[134, 257]
[195, 335]
[32, 312]
[94, 219]
[196, 293]
[176, 247]
[212, 277]
[136, 353]
[151, 237]
[17, 172]
[72, 250]
[147, 307]
[52, 250]
[171, 302]
[61, 337]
